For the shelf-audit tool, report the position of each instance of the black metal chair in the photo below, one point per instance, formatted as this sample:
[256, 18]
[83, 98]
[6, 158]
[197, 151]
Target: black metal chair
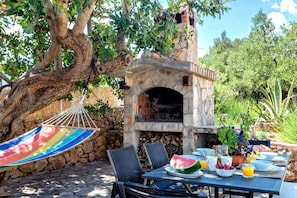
[158, 157]
[135, 190]
[157, 154]
[125, 164]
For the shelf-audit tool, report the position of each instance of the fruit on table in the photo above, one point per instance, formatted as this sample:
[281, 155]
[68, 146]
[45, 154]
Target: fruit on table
[184, 164]
[225, 166]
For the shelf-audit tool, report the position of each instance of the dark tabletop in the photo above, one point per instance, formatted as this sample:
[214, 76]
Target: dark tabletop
[258, 184]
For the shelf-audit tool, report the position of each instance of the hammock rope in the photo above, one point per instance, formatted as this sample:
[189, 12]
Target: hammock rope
[75, 116]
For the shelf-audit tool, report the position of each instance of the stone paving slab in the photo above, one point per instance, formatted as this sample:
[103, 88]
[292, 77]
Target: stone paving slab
[93, 179]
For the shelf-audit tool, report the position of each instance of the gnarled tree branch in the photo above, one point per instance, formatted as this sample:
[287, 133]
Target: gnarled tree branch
[62, 19]
[83, 18]
[48, 58]
[5, 78]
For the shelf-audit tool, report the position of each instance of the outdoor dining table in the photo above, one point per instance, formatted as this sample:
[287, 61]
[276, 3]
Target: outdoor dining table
[270, 182]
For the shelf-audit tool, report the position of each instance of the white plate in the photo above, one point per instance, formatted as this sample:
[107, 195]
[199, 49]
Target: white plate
[170, 170]
[276, 159]
[197, 153]
[271, 168]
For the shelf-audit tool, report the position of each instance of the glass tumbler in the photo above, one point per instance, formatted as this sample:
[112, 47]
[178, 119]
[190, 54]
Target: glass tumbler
[247, 170]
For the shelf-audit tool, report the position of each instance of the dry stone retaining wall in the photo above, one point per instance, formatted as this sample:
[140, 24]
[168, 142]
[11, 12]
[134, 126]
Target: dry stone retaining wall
[291, 175]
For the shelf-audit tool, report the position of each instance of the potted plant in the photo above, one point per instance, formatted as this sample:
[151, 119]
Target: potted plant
[236, 140]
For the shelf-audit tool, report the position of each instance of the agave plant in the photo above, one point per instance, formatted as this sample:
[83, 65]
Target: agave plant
[272, 107]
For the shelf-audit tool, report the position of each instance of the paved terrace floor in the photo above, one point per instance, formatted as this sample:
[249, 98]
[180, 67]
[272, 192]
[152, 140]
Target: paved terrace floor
[89, 180]
[93, 179]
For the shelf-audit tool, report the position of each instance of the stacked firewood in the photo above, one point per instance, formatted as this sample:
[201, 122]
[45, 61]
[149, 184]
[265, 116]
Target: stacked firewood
[172, 141]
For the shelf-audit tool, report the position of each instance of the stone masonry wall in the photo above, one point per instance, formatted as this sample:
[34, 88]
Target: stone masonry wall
[198, 102]
[291, 174]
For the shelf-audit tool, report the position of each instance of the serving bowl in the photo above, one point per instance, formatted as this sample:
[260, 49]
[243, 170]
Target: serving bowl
[268, 155]
[225, 172]
[261, 164]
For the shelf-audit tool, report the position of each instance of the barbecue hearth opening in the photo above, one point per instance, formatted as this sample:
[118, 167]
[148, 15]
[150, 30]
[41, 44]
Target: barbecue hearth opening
[159, 104]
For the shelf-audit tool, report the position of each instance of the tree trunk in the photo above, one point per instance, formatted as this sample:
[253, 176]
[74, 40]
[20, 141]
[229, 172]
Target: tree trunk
[42, 86]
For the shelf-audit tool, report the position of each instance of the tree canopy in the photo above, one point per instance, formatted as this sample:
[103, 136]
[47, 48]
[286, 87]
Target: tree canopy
[246, 65]
[48, 45]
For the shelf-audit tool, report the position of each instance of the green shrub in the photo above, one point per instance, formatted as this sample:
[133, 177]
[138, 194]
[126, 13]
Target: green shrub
[232, 109]
[288, 128]
[274, 107]
[262, 135]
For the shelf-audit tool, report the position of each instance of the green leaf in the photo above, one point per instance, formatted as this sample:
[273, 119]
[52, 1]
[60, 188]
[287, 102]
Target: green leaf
[29, 28]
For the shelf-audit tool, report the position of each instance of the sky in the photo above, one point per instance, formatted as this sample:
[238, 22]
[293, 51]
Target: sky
[238, 21]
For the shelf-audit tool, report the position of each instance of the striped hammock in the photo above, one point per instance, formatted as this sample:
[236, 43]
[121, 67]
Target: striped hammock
[56, 135]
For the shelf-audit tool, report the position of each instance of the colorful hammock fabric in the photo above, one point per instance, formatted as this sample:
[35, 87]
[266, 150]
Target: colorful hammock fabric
[56, 135]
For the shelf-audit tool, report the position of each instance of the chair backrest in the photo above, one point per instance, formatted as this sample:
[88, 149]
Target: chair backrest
[125, 164]
[156, 153]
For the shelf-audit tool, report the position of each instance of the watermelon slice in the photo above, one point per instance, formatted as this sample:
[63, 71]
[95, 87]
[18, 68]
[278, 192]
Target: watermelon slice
[184, 164]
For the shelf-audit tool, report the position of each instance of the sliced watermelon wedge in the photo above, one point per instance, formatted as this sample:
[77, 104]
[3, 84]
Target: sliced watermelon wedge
[184, 164]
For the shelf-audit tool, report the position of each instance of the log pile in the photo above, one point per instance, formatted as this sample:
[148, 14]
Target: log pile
[172, 141]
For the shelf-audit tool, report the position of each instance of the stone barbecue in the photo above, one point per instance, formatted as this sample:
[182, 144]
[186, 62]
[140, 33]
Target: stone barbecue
[169, 94]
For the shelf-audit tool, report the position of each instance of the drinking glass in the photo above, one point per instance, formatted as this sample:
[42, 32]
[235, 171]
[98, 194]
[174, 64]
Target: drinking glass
[203, 164]
[248, 170]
